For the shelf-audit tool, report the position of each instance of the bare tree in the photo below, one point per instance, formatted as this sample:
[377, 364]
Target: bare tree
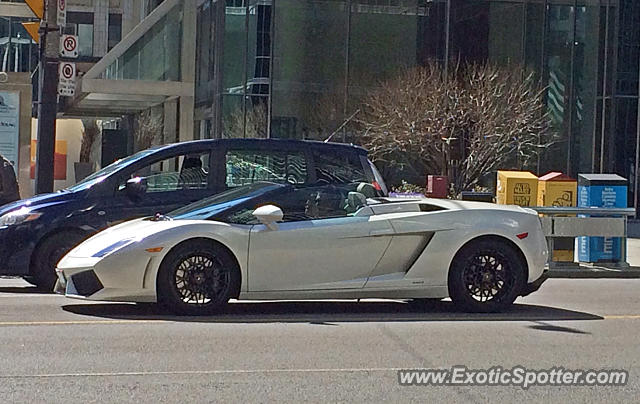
[90, 133]
[250, 123]
[148, 126]
[463, 123]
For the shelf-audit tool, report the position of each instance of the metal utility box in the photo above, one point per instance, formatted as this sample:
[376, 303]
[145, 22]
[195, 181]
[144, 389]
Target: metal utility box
[605, 191]
[559, 190]
[437, 186]
[516, 188]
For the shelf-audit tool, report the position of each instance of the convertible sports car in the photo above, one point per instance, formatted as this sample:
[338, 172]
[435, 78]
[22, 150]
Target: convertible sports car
[275, 241]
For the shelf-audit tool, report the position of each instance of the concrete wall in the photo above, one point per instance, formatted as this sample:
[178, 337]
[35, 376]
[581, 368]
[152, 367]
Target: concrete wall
[69, 131]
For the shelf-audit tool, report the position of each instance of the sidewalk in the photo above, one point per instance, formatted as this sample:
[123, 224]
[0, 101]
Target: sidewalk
[597, 271]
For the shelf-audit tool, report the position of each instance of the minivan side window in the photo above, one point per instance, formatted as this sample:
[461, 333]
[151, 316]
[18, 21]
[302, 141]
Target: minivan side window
[183, 172]
[248, 166]
[338, 168]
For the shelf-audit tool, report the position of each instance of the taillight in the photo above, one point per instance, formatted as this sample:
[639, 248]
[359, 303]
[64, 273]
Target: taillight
[376, 186]
[522, 236]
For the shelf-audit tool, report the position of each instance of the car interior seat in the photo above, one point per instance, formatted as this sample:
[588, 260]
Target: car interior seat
[192, 174]
[355, 201]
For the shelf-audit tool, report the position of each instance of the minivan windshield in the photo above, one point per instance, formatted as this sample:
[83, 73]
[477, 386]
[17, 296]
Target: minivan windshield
[208, 207]
[100, 175]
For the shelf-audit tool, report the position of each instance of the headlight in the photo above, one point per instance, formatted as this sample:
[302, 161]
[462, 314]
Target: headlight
[19, 216]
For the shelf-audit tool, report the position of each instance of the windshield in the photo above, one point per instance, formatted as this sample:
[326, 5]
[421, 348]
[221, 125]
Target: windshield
[208, 207]
[100, 175]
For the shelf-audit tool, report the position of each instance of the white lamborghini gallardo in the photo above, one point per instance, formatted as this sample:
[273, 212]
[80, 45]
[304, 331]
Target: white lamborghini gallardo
[275, 241]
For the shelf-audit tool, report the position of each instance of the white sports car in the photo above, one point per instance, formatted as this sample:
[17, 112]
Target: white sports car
[275, 241]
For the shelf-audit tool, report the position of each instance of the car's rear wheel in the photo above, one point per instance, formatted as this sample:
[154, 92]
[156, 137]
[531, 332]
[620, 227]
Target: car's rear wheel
[47, 256]
[197, 277]
[486, 276]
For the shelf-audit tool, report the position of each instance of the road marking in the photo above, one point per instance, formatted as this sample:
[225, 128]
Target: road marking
[72, 322]
[202, 372]
[623, 317]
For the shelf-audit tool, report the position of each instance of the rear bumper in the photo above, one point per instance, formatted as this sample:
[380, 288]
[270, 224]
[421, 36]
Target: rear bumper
[535, 285]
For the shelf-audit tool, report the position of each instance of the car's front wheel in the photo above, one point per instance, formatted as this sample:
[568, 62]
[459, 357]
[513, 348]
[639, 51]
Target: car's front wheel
[47, 256]
[197, 277]
[486, 275]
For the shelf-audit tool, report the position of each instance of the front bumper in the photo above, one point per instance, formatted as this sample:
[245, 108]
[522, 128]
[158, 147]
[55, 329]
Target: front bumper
[82, 284]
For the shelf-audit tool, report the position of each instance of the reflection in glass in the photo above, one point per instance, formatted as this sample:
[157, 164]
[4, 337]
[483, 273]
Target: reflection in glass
[309, 65]
[558, 67]
[584, 76]
[153, 56]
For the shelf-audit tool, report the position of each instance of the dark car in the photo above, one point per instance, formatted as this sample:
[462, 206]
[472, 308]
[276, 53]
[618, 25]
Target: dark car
[36, 232]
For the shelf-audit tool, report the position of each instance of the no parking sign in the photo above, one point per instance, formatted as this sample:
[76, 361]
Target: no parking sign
[69, 46]
[67, 80]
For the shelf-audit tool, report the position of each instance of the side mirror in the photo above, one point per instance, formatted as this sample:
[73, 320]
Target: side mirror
[136, 188]
[269, 215]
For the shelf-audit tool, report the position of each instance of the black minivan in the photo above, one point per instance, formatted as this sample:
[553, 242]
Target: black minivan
[36, 232]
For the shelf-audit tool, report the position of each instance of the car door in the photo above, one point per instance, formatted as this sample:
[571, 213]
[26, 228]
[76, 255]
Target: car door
[317, 246]
[170, 182]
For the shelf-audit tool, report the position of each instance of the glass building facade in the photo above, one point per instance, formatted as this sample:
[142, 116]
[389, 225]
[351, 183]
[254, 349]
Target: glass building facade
[18, 53]
[299, 68]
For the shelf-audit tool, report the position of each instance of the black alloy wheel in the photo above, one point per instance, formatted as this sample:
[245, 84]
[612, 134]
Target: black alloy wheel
[197, 277]
[486, 276]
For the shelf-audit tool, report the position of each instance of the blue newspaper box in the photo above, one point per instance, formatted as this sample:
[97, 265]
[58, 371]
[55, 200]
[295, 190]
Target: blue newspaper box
[604, 191]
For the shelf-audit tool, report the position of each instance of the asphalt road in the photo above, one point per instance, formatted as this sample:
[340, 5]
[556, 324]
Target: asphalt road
[55, 349]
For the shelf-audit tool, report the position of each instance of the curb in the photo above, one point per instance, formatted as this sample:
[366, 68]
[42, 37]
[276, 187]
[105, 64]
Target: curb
[589, 272]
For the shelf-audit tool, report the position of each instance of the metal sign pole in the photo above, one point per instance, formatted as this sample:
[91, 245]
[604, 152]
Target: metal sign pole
[47, 99]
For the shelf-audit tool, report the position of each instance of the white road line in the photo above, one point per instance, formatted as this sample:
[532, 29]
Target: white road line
[202, 372]
[80, 322]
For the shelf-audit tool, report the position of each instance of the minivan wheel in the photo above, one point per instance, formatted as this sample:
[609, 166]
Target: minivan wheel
[197, 277]
[486, 276]
[47, 256]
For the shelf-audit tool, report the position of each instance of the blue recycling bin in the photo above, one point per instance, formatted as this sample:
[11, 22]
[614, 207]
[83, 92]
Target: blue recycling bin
[603, 191]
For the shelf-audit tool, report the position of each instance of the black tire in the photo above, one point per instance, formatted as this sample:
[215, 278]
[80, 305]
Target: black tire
[486, 276]
[48, 254]
[197, 277]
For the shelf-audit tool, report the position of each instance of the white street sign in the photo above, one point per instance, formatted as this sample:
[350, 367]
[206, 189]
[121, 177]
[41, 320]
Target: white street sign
[62, 13]
[67, 80]
[10, 126]
[69, 46]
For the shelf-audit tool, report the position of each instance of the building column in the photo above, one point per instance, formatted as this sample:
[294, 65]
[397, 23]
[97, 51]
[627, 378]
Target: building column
[100, 27]
[130, 16]
[188, 68]
[170, 127]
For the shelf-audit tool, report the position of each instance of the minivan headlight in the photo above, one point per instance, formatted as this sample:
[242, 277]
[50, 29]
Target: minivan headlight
[19, 216]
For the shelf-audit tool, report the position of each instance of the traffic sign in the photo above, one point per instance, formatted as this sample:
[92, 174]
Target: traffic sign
[62, 13]
[37, 6]
[32, 28]
[67, 79]
[69, 46]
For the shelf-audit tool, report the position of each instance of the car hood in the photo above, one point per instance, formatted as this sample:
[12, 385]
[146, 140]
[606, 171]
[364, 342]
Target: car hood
[39, 201]
[128, 232]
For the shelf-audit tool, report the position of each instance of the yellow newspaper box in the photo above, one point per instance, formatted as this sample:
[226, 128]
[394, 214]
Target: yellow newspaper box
[557, 189]
[517, 188]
